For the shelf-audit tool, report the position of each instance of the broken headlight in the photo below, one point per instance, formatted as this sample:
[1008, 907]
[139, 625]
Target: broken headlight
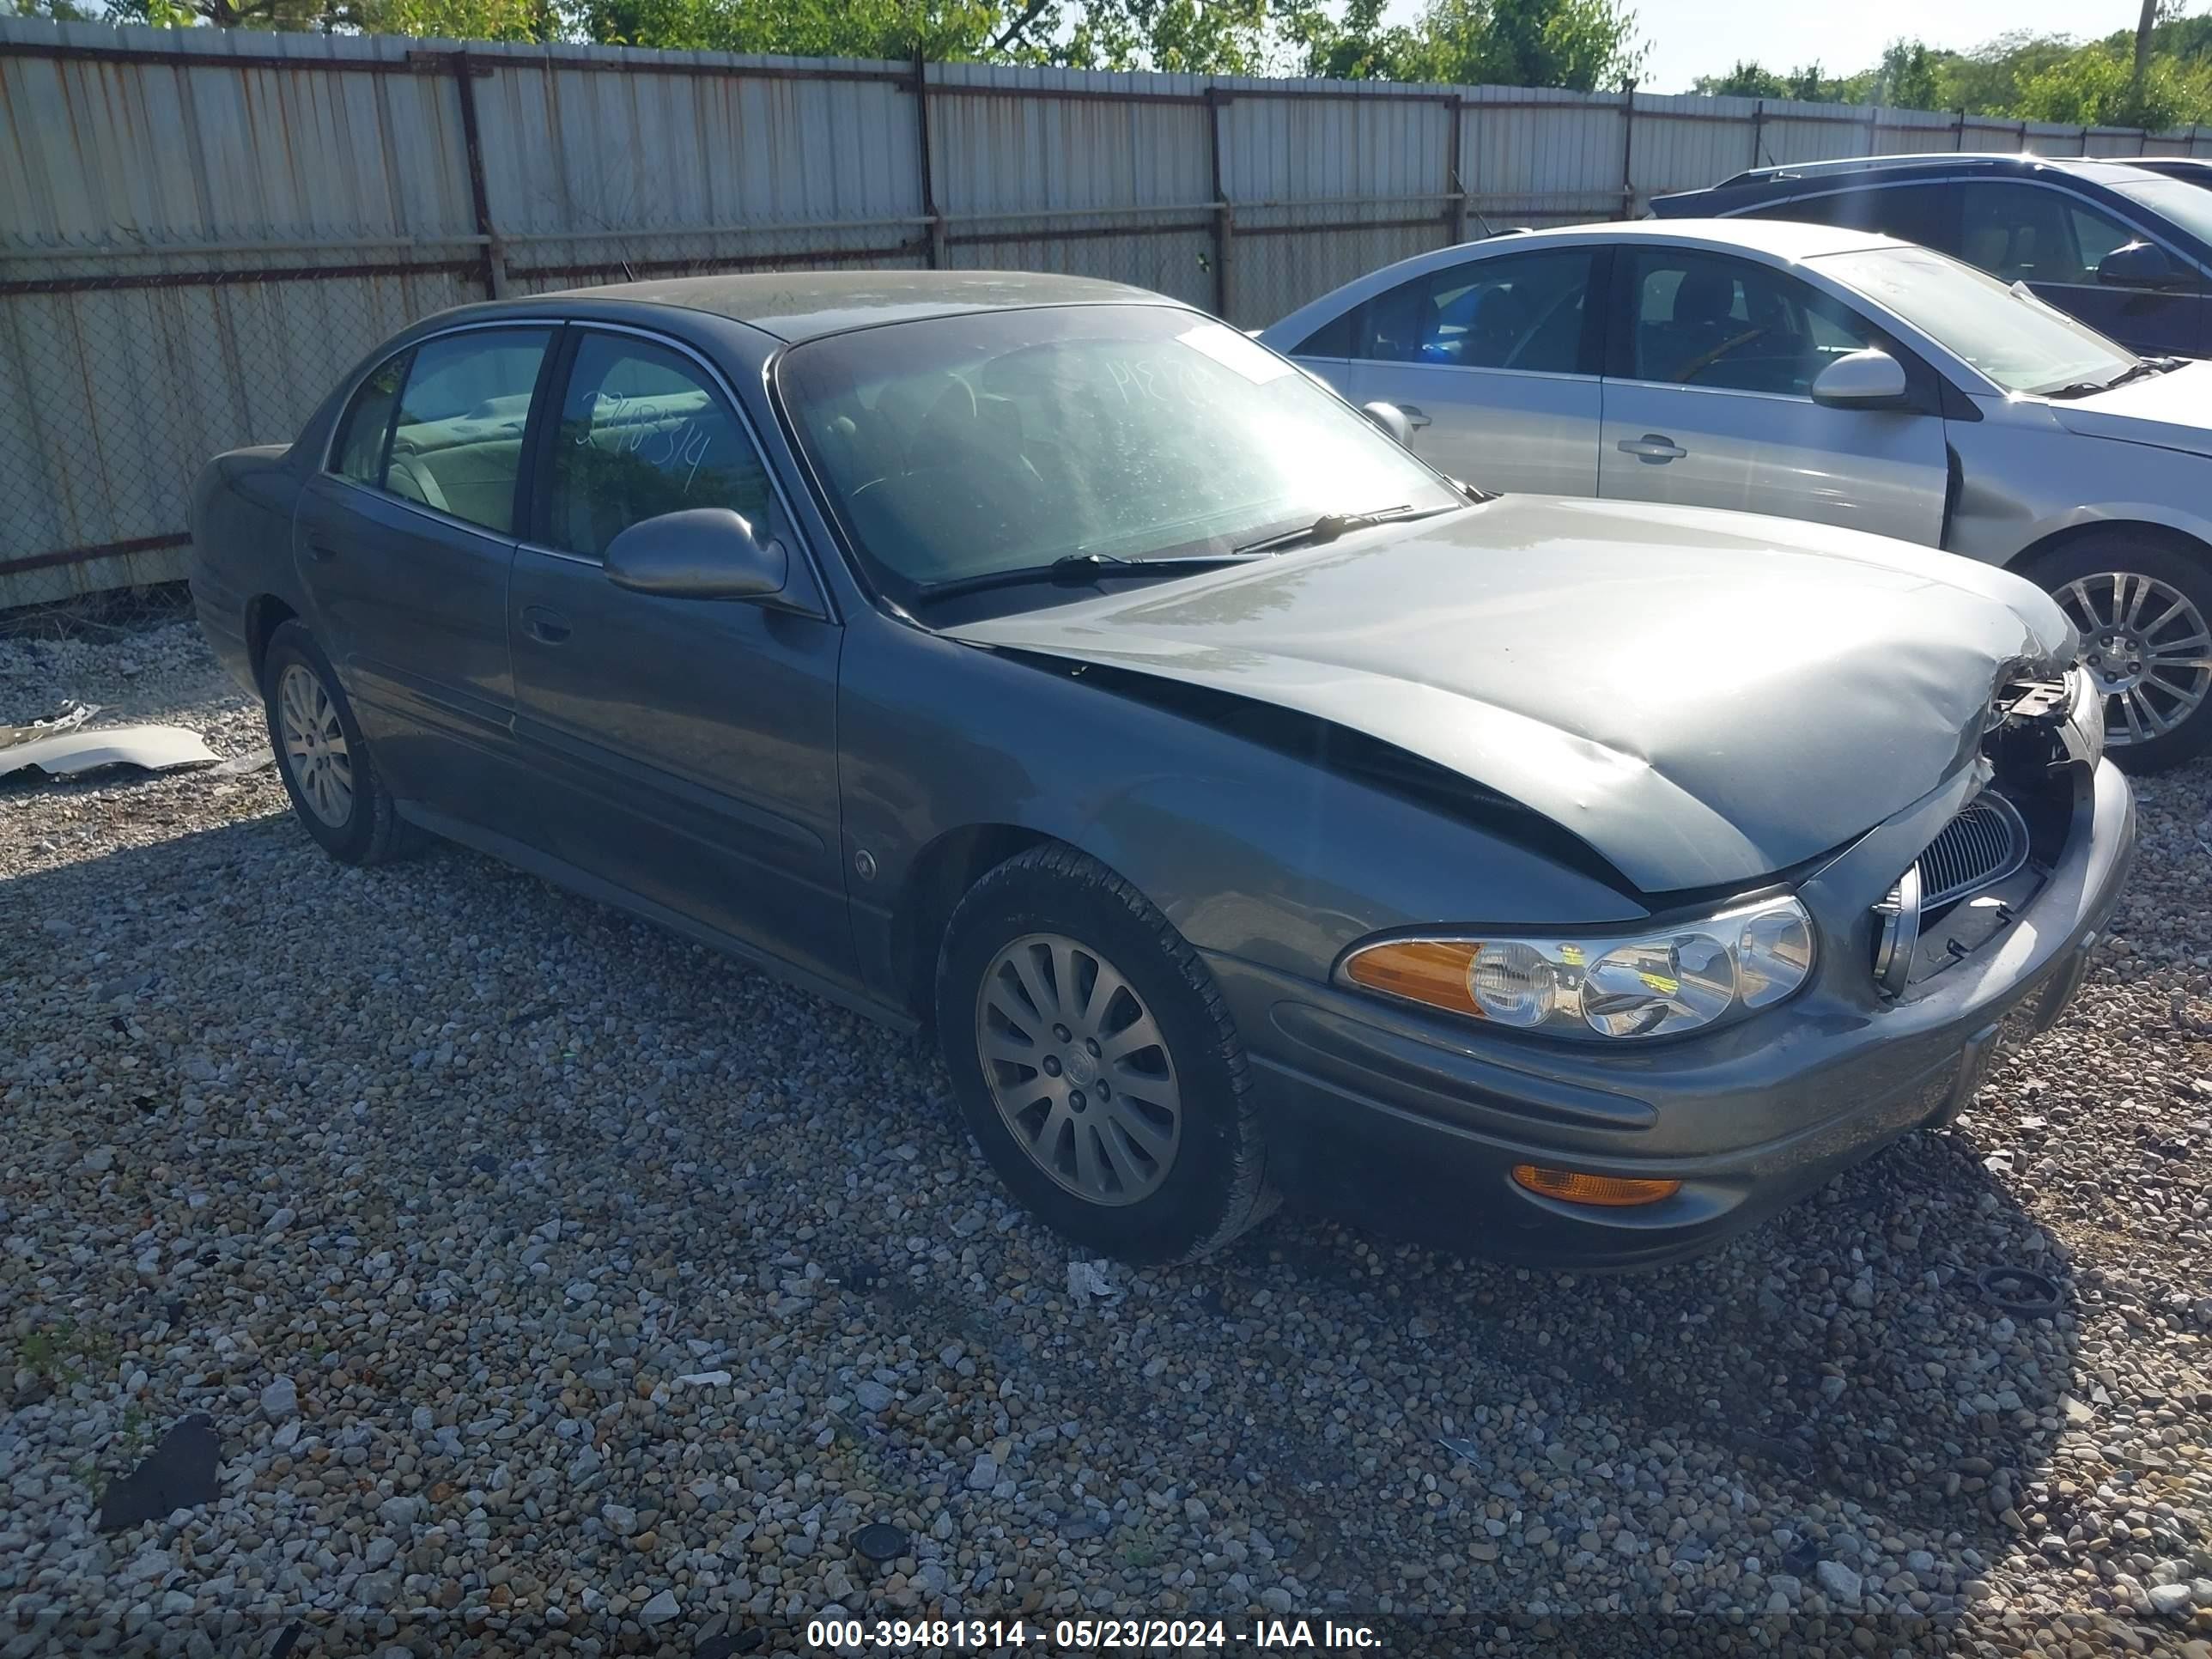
[1653, 981]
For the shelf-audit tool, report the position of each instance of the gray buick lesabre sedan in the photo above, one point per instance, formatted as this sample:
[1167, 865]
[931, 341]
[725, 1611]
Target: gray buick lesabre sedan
[1247, 808]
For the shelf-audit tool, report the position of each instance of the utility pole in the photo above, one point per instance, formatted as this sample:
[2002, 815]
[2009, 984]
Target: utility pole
[2144, 24]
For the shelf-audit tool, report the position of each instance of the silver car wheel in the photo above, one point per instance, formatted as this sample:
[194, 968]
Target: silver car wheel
[314, 745]
[1079, 1069]
[2147, 647]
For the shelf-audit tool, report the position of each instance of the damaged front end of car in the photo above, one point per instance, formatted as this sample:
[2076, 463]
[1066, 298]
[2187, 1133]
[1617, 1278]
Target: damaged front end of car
[2039, 752]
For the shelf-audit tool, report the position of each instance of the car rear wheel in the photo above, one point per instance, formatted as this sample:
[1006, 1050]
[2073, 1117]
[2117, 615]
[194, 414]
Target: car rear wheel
[327, 769]
[2144, 612]
[1095, 1063]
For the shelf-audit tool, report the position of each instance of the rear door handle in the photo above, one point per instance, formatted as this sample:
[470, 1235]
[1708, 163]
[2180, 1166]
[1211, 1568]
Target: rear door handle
[1655, 448]
[1415, 417]
[546, 626]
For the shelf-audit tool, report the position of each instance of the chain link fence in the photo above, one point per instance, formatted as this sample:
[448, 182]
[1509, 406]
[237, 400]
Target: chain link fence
[129, 370]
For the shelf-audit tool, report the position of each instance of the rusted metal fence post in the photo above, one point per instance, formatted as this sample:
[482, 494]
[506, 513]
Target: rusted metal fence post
[1455, 209]
[927, 167]
[1224, 215]
[1627, 149]
[465, 72]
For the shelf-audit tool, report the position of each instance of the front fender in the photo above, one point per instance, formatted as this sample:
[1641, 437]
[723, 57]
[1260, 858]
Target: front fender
[1249, 851]
[2022, 487]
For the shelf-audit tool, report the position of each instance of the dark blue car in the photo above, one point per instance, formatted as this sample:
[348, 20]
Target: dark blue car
[2125, 249]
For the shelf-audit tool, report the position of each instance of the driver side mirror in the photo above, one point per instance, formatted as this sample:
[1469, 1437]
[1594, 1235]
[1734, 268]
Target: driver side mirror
[1861, 380]
[1392, 421]
[2140, 265]
[701, 553]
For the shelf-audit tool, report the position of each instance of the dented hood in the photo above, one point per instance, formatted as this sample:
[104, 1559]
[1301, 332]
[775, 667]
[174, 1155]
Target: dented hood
[1702, 697]
[2173, 410]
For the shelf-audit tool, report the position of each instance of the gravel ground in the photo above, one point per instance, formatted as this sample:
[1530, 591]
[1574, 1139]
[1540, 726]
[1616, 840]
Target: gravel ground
[554, 1285]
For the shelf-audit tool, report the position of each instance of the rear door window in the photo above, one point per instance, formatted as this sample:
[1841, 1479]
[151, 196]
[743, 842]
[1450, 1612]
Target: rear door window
[357, 452]
[1338, 338]
[457, 440]
[1926, 214]
[1521, 312]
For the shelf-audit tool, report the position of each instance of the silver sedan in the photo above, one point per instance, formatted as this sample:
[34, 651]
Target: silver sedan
[1821, 374]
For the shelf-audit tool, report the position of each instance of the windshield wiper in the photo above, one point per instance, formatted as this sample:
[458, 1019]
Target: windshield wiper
[1076, 570]
[2139, 371]
[1327, 527]
[2143, 369]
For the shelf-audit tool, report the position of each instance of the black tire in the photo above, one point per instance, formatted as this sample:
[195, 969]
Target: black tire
[1214, 1185]
[2189, 574]
[372, 831]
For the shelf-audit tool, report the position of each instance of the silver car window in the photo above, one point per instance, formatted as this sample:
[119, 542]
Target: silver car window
[1704, 320]
[2020, 343]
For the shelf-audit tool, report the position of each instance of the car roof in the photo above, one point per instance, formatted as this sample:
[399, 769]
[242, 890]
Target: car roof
[1934, 163]
[1782, 239]
[803, 305]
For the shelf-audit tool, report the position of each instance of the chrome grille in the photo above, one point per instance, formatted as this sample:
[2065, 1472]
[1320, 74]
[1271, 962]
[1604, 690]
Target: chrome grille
[1986, 842]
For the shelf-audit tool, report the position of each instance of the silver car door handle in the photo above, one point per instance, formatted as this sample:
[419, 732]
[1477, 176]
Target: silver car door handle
[1415, 417]
[1653, 446]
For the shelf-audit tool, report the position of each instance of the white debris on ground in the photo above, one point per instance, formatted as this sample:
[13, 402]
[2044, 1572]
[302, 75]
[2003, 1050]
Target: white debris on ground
[555, 1286]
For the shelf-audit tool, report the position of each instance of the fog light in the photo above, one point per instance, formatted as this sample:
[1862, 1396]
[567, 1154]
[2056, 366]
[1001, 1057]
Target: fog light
[1614, 1192]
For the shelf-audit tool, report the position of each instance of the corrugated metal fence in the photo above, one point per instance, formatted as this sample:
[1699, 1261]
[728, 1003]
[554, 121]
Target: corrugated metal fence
[201, 229]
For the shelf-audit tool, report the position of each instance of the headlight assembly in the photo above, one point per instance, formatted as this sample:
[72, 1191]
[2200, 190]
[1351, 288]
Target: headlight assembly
[1655, 981]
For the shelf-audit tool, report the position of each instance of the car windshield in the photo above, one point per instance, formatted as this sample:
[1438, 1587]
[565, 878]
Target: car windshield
[957, 448]
[2176, 200]
[2021, 343]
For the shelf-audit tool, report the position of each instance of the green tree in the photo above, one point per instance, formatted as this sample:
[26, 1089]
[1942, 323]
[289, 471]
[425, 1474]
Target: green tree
[1579, 44]
[798, 28]
[1906, 78]
[1804, 84]
[2098, 86]
[1746, 80]
[2024, 76]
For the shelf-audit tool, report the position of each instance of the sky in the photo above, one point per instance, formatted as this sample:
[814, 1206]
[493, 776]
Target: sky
[1686, 38]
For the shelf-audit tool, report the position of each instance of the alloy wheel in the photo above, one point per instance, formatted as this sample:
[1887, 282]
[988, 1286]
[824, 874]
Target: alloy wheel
[314, 745]
[2147, 647]
[1079, 1069]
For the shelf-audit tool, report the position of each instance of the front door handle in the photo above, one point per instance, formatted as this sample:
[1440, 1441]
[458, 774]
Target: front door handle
[546, 626]
[316, 551]
[1415, 417]
[1654, 449]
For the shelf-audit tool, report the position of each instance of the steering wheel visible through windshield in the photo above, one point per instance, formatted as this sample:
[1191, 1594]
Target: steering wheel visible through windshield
[957, 447]
[2014, 338]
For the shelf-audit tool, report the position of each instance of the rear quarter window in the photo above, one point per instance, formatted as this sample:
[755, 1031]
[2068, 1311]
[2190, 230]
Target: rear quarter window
[357, 452]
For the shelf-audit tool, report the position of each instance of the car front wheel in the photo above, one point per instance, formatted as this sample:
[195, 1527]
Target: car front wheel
[328, 773]
[1095, 1063]
[2144, 612]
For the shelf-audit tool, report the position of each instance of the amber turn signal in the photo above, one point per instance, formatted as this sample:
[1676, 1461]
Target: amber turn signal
[1614, 1192]
[1428, 970]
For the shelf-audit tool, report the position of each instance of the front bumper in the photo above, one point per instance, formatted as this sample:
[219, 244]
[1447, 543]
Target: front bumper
[1412, 1122]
